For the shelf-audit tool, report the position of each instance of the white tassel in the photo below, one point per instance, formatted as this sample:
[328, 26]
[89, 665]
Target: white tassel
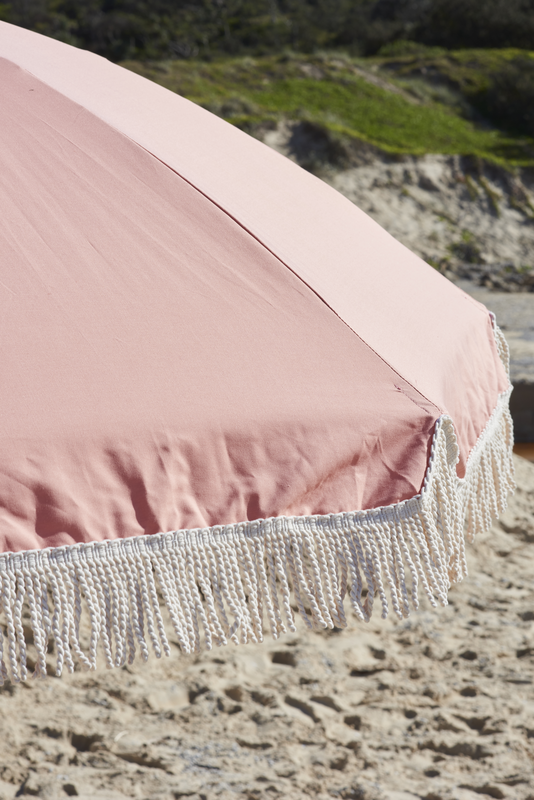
[217, 584]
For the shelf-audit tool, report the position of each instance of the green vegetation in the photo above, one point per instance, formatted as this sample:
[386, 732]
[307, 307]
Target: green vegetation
[467, 249]
[158, 29]
[404, 76]
[497, 84]
[396, 105]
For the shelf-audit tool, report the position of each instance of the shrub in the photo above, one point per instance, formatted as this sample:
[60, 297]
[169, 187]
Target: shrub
[509, 99]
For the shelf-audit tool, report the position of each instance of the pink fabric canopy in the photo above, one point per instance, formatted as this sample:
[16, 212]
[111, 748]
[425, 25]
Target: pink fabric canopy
[195, 332]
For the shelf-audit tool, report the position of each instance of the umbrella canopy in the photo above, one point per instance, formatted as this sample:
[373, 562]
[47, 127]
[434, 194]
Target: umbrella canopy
[221, 381]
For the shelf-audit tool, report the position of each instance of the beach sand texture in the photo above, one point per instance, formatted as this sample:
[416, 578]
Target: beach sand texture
[437, 706]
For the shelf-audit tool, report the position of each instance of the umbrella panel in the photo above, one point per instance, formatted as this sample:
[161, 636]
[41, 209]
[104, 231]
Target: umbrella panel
[164, 370]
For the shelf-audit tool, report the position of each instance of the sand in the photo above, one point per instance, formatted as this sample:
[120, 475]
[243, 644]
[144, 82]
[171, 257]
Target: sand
[439, 706]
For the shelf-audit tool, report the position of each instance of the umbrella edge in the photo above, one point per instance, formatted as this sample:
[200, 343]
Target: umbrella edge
[217, 584]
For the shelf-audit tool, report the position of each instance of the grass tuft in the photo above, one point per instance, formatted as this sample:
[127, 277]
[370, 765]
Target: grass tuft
[405, 103]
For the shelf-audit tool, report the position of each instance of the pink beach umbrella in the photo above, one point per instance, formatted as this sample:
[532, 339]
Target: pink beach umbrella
[226, 391]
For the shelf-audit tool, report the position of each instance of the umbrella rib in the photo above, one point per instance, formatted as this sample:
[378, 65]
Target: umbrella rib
[260, 241]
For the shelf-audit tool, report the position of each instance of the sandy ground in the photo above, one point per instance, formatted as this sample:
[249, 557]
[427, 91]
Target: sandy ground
[439, 706]
[438, 211]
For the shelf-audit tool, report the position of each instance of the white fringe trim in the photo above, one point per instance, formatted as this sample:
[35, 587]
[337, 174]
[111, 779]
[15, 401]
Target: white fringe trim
[218, 584]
